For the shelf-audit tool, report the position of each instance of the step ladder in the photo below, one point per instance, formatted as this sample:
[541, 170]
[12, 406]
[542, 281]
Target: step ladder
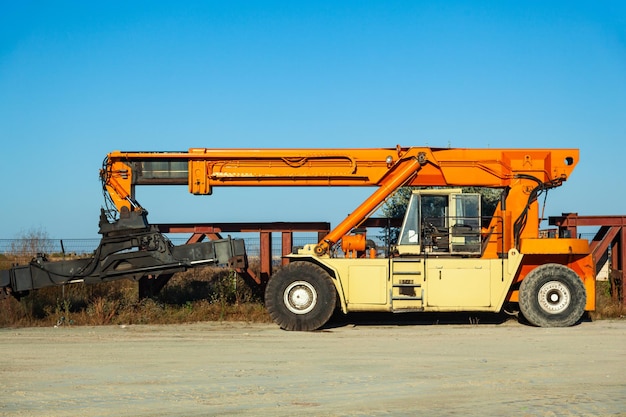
[407, 277]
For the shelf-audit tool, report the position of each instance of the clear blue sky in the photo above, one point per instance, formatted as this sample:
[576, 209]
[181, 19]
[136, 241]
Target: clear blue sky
[80, 79]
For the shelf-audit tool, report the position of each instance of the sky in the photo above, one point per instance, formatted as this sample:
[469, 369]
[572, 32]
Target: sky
[80, 79]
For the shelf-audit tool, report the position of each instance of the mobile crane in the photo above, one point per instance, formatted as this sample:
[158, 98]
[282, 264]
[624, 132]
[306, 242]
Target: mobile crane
[448, 257]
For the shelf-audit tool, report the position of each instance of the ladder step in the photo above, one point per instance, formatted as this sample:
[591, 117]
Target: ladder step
[408, 310]
[407, 273]
[406, 297]
[406, 285]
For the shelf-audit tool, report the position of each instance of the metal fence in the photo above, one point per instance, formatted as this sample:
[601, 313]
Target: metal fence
[88, 246]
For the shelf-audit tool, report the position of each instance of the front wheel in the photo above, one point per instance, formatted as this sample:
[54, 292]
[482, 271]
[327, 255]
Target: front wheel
[552, 295]
[301, 296]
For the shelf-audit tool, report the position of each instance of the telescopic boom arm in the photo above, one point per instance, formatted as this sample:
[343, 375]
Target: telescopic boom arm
[519, 170]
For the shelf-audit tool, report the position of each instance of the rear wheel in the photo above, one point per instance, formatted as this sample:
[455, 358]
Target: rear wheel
[552, 295]
[301, 296]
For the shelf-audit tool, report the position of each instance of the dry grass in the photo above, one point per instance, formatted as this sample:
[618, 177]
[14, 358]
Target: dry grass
[208, 294]
[202, 294]
[606, 306]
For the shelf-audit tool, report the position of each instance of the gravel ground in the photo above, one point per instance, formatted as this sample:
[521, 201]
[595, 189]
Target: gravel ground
[356, 369]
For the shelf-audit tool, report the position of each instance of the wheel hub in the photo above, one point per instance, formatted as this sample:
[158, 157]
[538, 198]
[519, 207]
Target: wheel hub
[300, 297]
[554, 297]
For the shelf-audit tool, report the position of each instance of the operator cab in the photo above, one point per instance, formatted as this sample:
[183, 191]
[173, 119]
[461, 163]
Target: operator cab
[441, 221]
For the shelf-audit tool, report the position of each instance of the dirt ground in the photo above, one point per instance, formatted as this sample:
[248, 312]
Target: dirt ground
[354, 369]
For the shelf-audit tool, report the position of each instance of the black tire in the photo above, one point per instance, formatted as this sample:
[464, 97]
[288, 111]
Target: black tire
[552, 295]
[301, 296]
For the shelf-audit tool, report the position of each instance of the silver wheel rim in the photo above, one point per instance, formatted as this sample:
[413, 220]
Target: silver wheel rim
[553, 297]
[300, 297]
